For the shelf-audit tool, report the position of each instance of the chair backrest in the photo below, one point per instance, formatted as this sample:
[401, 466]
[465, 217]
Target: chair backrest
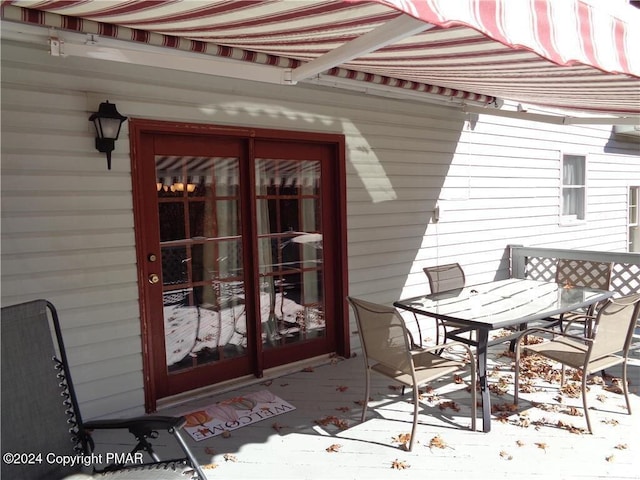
[443, 278]
[39, 412]
[384, 335]
[584, 273]
[615, 325]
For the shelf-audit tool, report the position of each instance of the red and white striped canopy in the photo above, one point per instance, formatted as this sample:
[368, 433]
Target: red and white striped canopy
[569, 54]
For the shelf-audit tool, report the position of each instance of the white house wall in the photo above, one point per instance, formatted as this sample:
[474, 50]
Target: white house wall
[67, 222]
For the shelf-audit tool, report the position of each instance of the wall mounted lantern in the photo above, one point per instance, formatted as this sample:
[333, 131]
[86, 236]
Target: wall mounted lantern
[107, 121]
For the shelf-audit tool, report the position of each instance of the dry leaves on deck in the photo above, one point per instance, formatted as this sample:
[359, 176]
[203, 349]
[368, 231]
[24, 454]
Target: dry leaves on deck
[399, 465]
[403, 439]
[333, 420]
[542, 446]
[506, 455]
[277, 427]
[569, 427]
[571, 390]
[228, 457]
[333, 448]
[438, 442]
[449, 404]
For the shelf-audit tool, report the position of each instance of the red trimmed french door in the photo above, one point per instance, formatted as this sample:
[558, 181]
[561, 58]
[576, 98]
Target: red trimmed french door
[241, 251]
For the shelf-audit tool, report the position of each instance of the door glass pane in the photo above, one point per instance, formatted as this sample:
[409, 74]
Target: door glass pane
[202, 272]
[290, 251]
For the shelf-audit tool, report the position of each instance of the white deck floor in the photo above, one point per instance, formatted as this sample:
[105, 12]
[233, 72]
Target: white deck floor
[534, 442]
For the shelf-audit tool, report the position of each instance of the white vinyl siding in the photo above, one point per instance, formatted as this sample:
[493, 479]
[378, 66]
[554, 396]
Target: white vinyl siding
[67, 222]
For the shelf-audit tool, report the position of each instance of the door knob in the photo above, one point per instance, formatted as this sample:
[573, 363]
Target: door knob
[154, 278]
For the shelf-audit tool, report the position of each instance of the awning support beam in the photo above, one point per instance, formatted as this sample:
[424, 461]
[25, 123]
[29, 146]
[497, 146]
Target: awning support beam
[555, 119]
[397, 29]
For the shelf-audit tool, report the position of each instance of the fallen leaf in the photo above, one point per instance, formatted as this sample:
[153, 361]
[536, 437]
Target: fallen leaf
[230, 457]
[520, 443]
[267, 383]
[437, 442]
[568, 426]
[403, 439]
[542, 445]
[449, 404]
[334, 448]
[343, 409]
[209, 450]
[610, 458]
[399, 465]
[333, 420]
[505, 455]
[611, 421]
[209, 466]
[503, 407]
[574, 412]
[601, 398]
[308, 369]
[277, 427]
[621, 446]
[571, 390]
[342, 388]
[226, 434]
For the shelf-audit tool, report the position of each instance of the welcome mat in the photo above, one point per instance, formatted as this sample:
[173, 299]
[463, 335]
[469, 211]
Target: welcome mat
[234, 413]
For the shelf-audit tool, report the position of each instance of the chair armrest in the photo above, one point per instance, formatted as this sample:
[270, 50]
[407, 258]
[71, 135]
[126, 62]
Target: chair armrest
[447, 346]
[575, 318]
[556, 333]
[151, 422]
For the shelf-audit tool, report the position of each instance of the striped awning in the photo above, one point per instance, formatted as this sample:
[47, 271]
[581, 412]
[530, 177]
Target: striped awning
[569, 54]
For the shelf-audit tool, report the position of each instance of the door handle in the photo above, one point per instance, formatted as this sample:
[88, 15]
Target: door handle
[154, 278]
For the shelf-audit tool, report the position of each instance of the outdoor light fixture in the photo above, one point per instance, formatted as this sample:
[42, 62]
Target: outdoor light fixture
[107, 121]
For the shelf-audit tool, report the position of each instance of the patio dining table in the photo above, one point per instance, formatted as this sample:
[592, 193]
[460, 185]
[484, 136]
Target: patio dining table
[512, 303]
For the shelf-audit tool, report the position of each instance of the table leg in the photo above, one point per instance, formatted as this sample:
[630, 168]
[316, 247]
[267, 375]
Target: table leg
[481, 352]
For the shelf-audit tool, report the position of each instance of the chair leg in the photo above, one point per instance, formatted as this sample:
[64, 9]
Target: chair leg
[190, 456]
[584, 400]
[415, 417]
[516, 378]
[366, 395]
[474, 395]
[625, 387]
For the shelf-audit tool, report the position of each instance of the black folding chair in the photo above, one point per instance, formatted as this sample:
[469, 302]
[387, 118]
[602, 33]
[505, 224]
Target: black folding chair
[41, 421]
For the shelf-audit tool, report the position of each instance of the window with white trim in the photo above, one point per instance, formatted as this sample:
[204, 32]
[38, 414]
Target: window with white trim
[573, 196]
[634, 219]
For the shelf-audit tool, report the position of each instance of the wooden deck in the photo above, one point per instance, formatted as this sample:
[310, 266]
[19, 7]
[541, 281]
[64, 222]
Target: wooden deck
[536, 442]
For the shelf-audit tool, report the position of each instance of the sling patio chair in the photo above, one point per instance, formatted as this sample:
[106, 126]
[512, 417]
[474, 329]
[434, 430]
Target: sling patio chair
[387, 351]
[583, 273]
[41, 419]
[445, 278]
[613, 330]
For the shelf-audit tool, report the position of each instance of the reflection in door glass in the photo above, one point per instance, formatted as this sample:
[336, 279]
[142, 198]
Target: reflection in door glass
[290, 251]
[202, 271]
